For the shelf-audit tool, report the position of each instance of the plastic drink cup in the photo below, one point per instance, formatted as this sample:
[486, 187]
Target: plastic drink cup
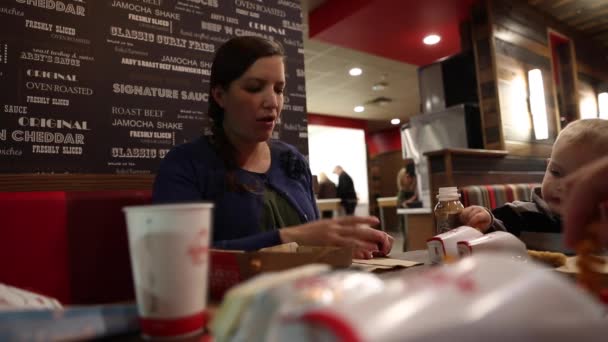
[169, 247]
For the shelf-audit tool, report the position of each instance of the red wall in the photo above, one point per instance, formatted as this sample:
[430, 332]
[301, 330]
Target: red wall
[335, 121]
[388, 140]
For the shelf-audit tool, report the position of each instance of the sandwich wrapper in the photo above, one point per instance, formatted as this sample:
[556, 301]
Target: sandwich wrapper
[262, 317]
[481, 296]
[229, 268]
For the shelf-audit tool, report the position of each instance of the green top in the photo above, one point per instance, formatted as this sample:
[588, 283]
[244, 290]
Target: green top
[278, 212]
[403, 195]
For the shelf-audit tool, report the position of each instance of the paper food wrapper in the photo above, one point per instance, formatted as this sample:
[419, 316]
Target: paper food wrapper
[478, 291]
[382, 264]
[12, 298]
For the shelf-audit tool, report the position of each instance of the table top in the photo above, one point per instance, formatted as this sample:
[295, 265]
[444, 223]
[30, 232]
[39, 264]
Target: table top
[328, 200]
[540, 330]
[414, 211]
[387, 201]
[417, 256]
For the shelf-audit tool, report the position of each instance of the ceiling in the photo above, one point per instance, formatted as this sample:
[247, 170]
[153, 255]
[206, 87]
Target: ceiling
[340, 34]
[588, 16]
[392, 28]
[330, 90]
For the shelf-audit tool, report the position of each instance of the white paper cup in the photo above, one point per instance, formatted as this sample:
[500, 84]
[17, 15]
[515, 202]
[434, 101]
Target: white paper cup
[442, 245]
[495, 241]
[169, 247]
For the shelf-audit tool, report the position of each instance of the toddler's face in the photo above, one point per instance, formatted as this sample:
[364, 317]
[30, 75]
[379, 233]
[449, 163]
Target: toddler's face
[565, 159]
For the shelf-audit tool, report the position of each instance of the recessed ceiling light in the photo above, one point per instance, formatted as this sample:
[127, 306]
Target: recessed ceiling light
[395, 121]
[355, 71]
[359, 109]
[431, 39]
[379, 86]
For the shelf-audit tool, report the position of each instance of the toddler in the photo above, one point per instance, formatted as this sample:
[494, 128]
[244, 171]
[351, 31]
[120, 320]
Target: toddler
[580, 143]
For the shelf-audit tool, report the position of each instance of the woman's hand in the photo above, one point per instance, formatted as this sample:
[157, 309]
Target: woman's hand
[353, 231]
[476, 217]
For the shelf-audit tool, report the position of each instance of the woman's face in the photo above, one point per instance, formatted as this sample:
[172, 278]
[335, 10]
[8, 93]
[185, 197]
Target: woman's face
[253, 102]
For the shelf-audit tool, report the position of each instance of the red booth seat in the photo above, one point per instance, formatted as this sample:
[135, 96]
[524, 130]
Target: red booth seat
[68, 245]
[496, 195]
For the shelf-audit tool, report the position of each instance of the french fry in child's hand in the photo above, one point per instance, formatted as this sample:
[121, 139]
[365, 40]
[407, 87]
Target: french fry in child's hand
[588, 263]
[553, 259]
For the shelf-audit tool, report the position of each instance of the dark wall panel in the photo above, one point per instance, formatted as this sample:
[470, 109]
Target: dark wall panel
[485, 65]
[110, 86]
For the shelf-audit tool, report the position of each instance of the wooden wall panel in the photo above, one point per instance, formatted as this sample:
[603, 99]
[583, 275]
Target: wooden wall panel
[583, 21]
[568, 84]
[74, 182]
[512, 89]
[515, 38]
[520, 18]
[513, 63]
[586, 28]
[599, 73]
[587, 94]
[485, 65]
[511, 37]
[518, 42]
[524, 149]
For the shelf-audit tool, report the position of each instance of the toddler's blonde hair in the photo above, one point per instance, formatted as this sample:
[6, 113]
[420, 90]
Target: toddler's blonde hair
[590, 133]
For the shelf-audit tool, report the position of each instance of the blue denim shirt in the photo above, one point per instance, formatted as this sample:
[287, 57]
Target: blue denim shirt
[194, 172]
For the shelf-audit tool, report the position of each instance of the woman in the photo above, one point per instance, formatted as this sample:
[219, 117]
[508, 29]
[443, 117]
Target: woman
[407, 196]
[261, 188]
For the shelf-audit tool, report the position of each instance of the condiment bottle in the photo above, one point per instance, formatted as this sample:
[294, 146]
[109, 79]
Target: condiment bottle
[448, 209]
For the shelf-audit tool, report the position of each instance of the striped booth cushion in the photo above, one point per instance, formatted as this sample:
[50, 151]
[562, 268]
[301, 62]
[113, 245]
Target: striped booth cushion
[496, 195]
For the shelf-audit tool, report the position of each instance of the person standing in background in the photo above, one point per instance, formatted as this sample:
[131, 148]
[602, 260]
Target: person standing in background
[327, 189]
[407, 195]
[346, 190]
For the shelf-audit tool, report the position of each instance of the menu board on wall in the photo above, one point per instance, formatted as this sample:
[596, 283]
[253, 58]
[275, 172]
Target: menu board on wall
[110, 86]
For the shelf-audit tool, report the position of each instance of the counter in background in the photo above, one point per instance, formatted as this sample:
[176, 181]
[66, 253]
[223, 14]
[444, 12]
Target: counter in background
[327, 204]
[385, 202]
[418, 226]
